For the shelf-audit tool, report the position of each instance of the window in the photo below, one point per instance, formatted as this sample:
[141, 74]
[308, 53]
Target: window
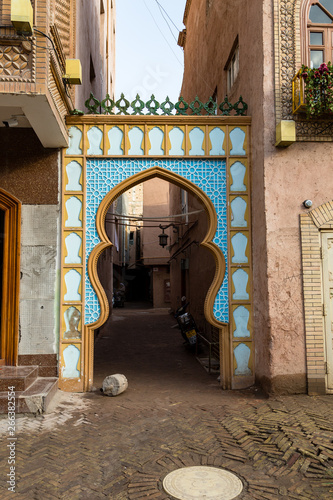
[232, 66]
[184, 203]
[92, 74]
[131, 237]
[320, 32]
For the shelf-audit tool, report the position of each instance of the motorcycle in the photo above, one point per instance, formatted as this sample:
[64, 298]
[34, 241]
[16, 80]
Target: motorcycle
[118, 298]
[187, 325]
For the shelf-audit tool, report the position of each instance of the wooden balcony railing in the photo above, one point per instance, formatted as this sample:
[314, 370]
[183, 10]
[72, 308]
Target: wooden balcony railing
[298, 91]
[312, 91]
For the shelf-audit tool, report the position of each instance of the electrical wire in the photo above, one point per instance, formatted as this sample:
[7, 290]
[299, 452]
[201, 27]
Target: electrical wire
[46, 36]
[162, 14]
[113, 221]
[156, 219]
[167, 41]
[161, 7]
[182, 64]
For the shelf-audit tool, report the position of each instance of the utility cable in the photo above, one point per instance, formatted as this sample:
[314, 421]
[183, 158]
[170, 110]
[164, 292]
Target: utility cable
[46, 36]
[162, 14]
[140, 217]
[167, 41]
[161, 7]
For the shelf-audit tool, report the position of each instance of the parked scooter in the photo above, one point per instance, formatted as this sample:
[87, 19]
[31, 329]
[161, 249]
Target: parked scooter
[186, 323]
[118, 299]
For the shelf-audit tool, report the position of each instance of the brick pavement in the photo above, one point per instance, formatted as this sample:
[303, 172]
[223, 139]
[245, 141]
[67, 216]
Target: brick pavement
[95, 447]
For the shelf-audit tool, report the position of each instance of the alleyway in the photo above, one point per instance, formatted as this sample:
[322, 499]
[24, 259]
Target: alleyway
[142, 344]
[172, 415]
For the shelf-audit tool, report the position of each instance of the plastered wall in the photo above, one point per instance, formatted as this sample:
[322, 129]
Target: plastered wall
[31, 173]
[282, 178]
[38, 286]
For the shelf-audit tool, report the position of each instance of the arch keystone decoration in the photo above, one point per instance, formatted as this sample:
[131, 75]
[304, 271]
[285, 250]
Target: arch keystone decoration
[205, 172]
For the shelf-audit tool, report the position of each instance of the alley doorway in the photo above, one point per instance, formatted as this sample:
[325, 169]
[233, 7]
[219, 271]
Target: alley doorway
[156, 259]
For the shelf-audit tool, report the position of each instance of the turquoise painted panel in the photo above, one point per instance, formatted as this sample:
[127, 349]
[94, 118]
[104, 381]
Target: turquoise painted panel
[197, 137]
[176, 136]
[73, 244]
[237, 138]
[239, 244]
[238, 208]
[135, 136]
[216, 138]
[75, 137]
[237, 171]
[72, 280]
[74, 171]
[241, 317]
[116, 138]
[240, 279]
[242, 354]
[73, 207]
[95, 137]
[156, 136]
[105, 174]
[71, 358]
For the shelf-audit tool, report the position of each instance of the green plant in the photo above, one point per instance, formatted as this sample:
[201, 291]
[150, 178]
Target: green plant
[318, 89]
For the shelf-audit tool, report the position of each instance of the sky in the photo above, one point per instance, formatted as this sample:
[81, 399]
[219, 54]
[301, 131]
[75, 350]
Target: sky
[148, 59]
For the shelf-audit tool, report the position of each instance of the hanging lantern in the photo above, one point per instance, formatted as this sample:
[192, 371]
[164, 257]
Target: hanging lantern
[163, 239]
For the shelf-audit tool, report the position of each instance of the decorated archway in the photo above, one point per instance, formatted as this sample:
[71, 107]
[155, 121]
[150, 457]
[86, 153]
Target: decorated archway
[208, 156]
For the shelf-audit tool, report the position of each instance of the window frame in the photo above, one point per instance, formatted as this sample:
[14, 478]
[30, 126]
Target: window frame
[232, 66]
[324, 28]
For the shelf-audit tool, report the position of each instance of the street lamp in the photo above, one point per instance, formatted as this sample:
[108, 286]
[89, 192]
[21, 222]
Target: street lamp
[163, 238]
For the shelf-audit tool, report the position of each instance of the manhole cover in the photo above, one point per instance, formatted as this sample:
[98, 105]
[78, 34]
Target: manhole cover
[203, 483]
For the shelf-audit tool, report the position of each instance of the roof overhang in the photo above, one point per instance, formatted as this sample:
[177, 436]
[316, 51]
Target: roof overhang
[40, 113]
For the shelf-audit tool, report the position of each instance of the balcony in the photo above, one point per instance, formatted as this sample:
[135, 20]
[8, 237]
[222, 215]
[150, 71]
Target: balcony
[32, 92]
[312, 91]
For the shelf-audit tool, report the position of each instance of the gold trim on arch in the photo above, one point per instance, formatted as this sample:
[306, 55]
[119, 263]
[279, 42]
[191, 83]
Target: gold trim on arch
[220, 267]
[206, 242]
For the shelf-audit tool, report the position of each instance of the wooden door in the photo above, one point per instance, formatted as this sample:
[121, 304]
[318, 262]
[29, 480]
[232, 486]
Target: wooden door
[327, 254]
[10, 229]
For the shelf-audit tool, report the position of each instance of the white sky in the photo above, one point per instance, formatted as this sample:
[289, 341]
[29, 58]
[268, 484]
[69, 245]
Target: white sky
[148, 59]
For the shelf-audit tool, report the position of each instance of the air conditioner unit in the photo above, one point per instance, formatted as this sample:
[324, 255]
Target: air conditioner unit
[22, 17]
[73, 74]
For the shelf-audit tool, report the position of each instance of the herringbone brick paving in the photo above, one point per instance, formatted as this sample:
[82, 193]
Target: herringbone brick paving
[95, 447]
[119, 449]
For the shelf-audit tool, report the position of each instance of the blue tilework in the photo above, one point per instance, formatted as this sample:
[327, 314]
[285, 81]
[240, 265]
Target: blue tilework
[104, 174]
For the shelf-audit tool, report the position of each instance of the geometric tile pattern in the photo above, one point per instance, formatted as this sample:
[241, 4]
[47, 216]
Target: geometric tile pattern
[104, 174]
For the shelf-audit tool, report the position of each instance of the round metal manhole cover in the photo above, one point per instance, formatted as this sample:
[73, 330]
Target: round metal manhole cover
[202, 483]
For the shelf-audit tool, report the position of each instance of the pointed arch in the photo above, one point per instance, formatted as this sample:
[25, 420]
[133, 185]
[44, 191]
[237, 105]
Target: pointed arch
[207, 242]
[11, 208]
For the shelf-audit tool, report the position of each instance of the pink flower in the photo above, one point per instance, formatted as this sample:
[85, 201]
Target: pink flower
[323, 68]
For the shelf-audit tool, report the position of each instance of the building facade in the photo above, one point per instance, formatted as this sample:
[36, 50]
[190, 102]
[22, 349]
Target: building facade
[256, 49]
[35, 97]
